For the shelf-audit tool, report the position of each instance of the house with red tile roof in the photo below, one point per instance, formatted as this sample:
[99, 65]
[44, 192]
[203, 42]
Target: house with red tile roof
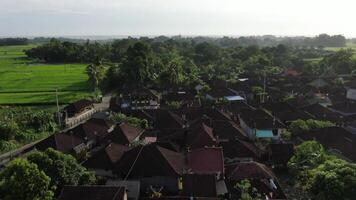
[104, 160]
[152, 160]
[240, 150]
[200, 135]
[93, 192]
[92, 131]
[260, 176]
[126, 134]
[62, 142]
[208, 160]
[78, 107]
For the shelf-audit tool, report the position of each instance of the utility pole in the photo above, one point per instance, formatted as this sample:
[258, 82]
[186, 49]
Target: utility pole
[58, 114]
[264, 87]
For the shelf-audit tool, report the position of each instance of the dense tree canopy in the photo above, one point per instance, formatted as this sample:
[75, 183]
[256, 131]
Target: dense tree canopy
[61, 168]
[13, 41]
[181, 61]
[340, 62]
[301, 126]
[23, 180]
[334, 179]
[307, 155]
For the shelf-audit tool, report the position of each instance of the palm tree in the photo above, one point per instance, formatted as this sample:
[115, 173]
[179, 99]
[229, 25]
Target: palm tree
[96, 73]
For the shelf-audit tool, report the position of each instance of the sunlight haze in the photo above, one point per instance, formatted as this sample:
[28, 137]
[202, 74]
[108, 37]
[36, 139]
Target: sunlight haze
[173, 17]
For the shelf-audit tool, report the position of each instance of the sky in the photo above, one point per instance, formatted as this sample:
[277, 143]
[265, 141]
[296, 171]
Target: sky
[177, 17]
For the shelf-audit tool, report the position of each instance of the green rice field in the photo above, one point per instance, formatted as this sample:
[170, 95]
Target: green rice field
[23, 81]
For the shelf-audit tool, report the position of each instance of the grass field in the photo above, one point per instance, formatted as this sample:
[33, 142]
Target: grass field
[348, 46]
[23, 81]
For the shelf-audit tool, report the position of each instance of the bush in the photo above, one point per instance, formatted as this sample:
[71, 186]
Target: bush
[8, 130]
[120, 118]
[300, 126]
[334, 179]
[307, 156]
[174, 105]
[6, 146]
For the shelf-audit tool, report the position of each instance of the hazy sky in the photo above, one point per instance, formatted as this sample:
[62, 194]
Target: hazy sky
[173, 17]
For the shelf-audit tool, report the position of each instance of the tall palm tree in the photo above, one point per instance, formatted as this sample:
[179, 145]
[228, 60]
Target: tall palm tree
[96, 73]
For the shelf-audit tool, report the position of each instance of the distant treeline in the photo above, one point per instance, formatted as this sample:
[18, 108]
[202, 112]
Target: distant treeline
[322, 40]
[61, 50]
[43, 40]
[13, 41]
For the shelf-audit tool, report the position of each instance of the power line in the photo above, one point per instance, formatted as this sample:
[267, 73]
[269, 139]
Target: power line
[128, 173]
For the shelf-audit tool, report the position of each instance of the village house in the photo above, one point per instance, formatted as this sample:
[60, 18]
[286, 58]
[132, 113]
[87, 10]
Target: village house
[93, 192]
[126, 134]
[77, 108]
[136, 99]
[104, 160]
[235, 150]
[259, 175]
[157, 168]
[208, 160]
[64, 143]
[260, 124]
[224, 93]
[92, 131]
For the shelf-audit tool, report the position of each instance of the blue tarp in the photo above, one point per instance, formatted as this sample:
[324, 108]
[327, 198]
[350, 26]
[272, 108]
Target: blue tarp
[235, 98]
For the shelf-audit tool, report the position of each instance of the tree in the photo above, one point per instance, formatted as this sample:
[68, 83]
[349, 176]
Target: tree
[206, 53]
[302, 126]
[61, 168]
[173, 75]
[96, 73]
[246, 190]
[23, 180]
[307, 156]
[334, 179]
[120, 118]
[8, 130]
[140, 65]
[340, 62]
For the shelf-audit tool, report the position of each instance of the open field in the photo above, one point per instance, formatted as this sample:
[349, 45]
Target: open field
[348, 46]
[23, 81]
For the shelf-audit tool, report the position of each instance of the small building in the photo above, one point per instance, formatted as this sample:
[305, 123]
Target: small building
[208, 160]
[62, 142]
[157, 168]
[260, 177]
[92, 131]
[153, 161]
[228, 94]
[78, 107]
[126, 134]
[137, 99]
[132, 187]
[240, 150]
[351, 90]
[320, 112]
[260, 124]
[104, 160]
[198, 136]
[227, 130]
[202, 185]
[93, 192]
